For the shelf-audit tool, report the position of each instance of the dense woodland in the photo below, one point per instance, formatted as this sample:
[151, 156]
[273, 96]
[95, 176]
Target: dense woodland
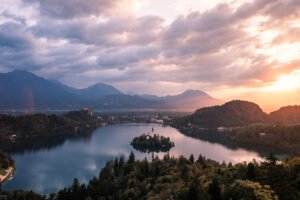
[5, 161]
[231, 114]
[40, 125]
[40, 131]
[185, 179]
[260, 138]
[239, 113]
[286, 115]
[276, 137]
[148, 143]
[247, 126]
[182, 178]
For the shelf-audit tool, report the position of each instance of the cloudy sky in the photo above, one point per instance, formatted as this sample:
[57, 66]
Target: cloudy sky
[227, 48]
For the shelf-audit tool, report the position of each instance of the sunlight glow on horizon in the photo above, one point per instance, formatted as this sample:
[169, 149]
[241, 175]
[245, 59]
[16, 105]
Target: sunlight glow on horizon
[283, 53]
[226, 48]
[285, 82]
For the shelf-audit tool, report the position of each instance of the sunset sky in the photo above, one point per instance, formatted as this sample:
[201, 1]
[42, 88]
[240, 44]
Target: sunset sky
[246, 49]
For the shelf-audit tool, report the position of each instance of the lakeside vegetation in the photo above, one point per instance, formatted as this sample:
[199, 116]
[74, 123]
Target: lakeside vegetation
[41, 131]
[173, 178]
[246, 125]
[7, 166]
[276, 137]
[5, 162]
[239, 113]
[190, 178]
[261, 138]
[13, 128]
[147, 143]
[184, 178]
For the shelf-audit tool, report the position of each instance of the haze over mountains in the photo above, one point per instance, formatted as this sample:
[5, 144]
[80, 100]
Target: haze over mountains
[92, 92]
[22, 90]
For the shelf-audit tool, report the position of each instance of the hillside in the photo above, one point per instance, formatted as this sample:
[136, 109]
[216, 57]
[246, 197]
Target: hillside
[231, 114]
[239, 113]
[252, 128]
[26, 91]
[189, 100]
[92, 92]
[97, 91]
[286, 115]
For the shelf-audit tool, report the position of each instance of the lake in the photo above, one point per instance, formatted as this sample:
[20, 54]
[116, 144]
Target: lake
[47, 169]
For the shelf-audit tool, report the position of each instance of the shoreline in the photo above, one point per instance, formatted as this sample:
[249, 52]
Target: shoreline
[9, 173]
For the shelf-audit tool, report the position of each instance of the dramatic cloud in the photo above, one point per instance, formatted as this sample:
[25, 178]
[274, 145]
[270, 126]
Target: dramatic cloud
[246, 44]
[78, 8]
[115, 31]
[17, 46]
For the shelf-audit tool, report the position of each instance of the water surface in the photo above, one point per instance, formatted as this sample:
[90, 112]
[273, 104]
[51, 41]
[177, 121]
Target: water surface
[50, 169]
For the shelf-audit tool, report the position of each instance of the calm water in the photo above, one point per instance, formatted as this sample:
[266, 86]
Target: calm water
[51, 169]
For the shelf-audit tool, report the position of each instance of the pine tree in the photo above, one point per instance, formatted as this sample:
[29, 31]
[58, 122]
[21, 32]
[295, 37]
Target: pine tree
[192, 160]
[214, 190]
[131, 158]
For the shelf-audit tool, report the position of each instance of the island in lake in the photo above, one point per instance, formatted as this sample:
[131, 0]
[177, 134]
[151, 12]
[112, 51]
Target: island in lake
[147, 143]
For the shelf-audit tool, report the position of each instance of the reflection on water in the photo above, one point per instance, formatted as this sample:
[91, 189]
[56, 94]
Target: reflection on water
[40, 143]
[46, 170]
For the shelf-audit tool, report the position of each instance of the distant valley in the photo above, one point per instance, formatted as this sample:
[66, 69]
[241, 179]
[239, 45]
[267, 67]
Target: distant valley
[25, 91]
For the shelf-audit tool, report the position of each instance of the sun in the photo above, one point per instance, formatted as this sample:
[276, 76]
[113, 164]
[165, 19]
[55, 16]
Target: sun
[286, 82]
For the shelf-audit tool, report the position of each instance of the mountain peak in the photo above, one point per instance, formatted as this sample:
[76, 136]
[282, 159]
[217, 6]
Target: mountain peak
[24, 90]
[97, 85]
[242, 104]
[97, 91]
[193, 92]
[20, 72]
[21, 75]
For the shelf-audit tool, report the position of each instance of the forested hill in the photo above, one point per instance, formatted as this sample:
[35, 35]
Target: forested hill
[239, 113]
[286, 115]
[40, 125]
[231, 114]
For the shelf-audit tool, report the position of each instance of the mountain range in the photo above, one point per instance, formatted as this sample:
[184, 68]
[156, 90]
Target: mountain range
[92, 92]
[23, 90]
